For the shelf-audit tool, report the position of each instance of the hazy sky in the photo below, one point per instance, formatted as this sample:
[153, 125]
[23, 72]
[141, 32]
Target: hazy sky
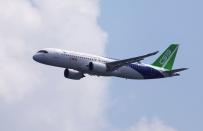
[37, 97]
[136, 27]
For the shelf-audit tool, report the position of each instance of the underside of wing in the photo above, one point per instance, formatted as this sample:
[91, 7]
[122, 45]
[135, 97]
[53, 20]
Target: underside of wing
[111, 66]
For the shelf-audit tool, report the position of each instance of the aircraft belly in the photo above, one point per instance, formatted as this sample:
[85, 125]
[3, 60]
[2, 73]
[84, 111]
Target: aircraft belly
[129, 73]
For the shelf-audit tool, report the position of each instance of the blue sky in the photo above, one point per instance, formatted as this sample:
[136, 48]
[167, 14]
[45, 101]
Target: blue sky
[136, 27]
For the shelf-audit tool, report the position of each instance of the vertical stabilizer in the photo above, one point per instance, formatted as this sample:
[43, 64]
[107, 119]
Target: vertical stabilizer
[166, 60]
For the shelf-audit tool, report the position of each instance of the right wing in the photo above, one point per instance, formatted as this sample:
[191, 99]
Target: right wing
[111, 66]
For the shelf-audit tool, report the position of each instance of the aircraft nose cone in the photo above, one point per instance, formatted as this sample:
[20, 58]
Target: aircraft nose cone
[35, 58]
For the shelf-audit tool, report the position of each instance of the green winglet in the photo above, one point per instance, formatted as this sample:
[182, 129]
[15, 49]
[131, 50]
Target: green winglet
[166, 60]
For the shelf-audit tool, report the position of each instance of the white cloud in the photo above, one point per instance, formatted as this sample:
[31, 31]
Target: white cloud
[68, 24]
[151, 125]
[37, 97]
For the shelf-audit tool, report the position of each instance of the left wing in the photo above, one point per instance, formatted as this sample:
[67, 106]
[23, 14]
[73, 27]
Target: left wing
[111, 66]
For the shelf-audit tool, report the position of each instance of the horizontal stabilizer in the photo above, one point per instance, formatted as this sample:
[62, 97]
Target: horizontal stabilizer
[173, 72]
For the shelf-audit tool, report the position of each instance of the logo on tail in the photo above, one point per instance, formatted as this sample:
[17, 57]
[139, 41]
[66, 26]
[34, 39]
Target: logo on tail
[165, 57]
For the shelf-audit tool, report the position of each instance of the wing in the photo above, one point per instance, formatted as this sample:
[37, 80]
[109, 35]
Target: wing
[111, 66]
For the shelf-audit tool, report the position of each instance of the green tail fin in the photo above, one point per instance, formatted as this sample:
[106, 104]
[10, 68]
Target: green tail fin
[166, 60]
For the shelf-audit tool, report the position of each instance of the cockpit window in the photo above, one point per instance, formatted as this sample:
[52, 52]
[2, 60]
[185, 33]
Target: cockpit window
[42, 51]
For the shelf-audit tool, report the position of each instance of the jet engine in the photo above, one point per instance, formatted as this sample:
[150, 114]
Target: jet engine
[73, 74]
[97, 67]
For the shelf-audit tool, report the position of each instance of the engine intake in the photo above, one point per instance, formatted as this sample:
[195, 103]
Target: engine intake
[73, 74]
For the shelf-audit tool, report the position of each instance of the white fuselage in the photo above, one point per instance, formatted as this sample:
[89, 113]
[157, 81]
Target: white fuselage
[80, 61]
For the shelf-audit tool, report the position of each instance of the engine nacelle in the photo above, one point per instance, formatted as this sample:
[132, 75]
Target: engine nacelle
[73, 74]
[97, 67]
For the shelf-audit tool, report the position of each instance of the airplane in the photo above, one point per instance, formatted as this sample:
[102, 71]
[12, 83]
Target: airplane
[77, 64]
